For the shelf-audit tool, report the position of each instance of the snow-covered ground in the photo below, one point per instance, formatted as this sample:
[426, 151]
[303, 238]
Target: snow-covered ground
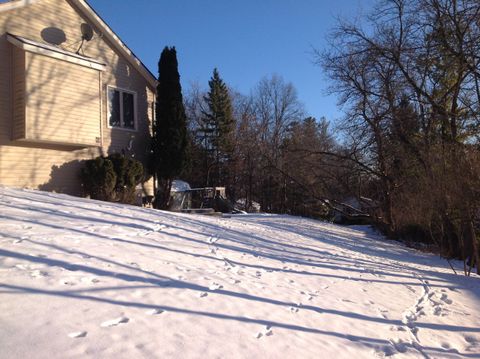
[81, 278]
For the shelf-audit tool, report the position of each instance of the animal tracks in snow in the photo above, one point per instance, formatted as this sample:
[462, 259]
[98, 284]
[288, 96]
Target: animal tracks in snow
[114, 322]
[154, 311]
[38, 273]
[473, 343]
[215, 286]
[429, 302]
[445, 299]
[212, 239]
[310, 295]
[400, 345]
[327, 289]
[212, 287]
[90, 280]
[266, 332]
[72, 280]
[74, 335]
[158, 227]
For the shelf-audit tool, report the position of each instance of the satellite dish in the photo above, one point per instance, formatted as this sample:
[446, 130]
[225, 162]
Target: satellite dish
[53, 35]
[87, 32]
[87, 35]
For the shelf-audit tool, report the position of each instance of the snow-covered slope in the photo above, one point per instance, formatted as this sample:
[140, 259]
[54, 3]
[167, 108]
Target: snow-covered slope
[81, 278]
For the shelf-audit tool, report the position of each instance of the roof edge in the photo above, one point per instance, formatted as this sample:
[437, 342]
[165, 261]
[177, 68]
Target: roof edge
[95, 18]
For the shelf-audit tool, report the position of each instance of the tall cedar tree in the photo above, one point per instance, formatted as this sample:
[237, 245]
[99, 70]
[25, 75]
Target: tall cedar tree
[218, 130]
[170, 126]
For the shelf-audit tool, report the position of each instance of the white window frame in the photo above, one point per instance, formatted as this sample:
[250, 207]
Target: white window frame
[135, 114]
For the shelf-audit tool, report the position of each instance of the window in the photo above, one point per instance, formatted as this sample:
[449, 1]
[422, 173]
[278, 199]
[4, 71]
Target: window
[121, 108]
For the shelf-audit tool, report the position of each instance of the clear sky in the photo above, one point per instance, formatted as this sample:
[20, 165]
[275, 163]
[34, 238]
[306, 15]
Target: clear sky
[245, 40]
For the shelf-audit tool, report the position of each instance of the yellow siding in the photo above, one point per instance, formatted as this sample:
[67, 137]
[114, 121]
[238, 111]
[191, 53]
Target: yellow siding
[18, 85]
[44, 168]
[55, 167]
[63, 101]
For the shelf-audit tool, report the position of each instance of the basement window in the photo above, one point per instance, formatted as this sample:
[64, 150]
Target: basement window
[121, 108]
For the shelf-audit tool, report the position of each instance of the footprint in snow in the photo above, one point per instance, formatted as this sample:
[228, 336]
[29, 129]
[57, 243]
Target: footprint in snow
[473, 341]
[445, 299]
[215, 286]
[158, 227]
[437, 311]
[89, 280]
[114, 322]
[382, 312]
[212, 239]
[74, 335]
[309, 295]
[66, 282]
[385, 351]
[400, 345]
[266, 332]
[38, 274]
[154, 311]
[445, 345]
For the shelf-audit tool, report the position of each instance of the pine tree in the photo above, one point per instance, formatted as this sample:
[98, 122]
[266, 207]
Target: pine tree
[218, 130]
[170, 126]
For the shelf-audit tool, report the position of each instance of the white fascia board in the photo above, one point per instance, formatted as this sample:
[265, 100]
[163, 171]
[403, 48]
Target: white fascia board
[56, 53]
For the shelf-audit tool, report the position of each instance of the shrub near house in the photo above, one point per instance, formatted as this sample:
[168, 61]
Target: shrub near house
[113, 178]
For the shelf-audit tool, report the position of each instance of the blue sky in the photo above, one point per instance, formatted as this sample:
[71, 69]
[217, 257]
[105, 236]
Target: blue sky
[245, 40]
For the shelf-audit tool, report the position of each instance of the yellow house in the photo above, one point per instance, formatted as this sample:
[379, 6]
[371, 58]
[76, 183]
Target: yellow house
[70, 90]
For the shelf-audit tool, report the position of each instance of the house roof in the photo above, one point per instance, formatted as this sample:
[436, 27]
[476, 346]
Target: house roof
[85, 9]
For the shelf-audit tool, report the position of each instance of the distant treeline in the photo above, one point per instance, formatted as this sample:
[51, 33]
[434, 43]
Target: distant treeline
[409, 82]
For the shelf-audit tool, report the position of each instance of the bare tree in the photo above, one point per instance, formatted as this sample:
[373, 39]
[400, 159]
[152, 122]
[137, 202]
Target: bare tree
[409, 85]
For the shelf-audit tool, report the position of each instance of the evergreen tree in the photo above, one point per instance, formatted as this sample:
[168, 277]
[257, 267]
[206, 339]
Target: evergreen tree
[170, 126]
[217, 131]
